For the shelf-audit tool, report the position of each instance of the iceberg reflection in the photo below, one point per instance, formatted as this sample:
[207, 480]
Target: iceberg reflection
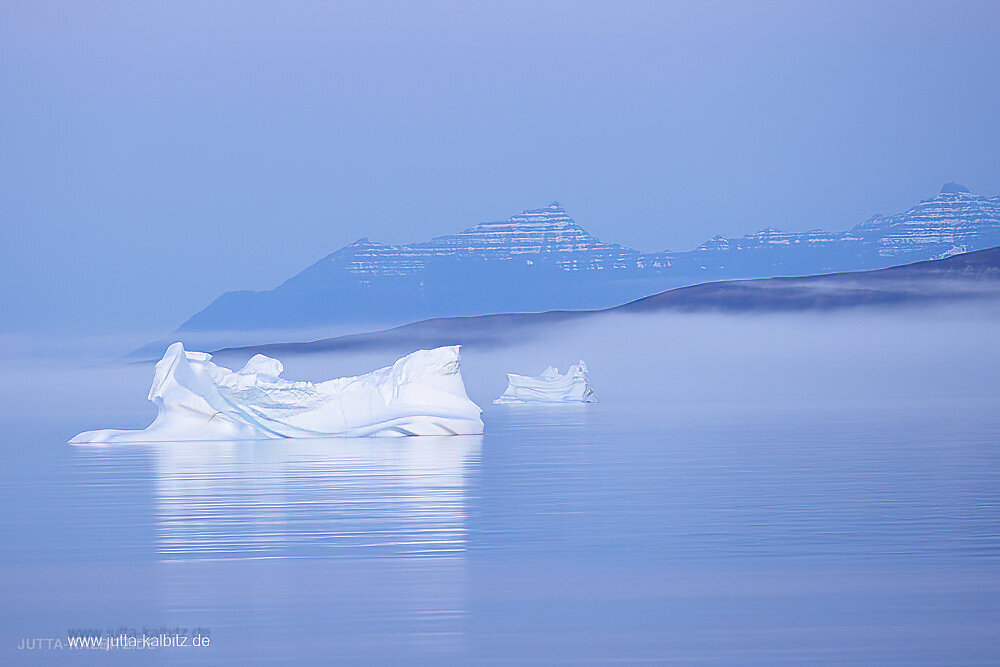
[313, 498]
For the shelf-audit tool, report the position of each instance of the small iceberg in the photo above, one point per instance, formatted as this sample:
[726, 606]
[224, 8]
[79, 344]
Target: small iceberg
[421, 394]
[550, 387]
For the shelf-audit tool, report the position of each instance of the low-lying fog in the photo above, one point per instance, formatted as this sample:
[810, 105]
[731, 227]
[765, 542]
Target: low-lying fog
[643, 359]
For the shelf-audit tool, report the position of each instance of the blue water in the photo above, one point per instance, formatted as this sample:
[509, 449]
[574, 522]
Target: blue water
[750, 532]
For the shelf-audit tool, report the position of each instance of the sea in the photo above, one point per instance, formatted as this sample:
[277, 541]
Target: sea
[716, 527]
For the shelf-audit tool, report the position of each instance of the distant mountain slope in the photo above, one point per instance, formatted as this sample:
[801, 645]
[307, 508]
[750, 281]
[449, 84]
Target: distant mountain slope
[963, 277]
[542, 260]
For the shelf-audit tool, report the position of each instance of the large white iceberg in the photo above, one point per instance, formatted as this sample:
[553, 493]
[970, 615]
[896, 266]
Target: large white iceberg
[421, 394]
[550, 387]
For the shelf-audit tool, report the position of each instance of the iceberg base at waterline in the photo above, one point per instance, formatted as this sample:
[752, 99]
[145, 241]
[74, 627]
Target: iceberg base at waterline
[421, 394]
[550, 387]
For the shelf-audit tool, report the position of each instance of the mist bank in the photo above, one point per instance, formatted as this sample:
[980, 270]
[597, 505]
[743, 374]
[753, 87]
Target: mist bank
[656, 358]
[647, 360]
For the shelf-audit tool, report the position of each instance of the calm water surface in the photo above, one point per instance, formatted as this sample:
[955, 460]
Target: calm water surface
[754, 532]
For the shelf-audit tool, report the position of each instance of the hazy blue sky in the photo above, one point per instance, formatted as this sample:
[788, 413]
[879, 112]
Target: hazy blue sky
[154, 155]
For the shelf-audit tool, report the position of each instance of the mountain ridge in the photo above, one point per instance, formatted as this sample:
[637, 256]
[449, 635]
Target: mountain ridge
[542, 259]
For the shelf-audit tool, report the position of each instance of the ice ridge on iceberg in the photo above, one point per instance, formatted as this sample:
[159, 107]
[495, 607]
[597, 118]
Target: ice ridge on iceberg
[550, 387]
[421, 394]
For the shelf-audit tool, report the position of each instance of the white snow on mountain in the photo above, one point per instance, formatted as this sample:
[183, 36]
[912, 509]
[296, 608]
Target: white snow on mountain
[956, 217]
[544, 232]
